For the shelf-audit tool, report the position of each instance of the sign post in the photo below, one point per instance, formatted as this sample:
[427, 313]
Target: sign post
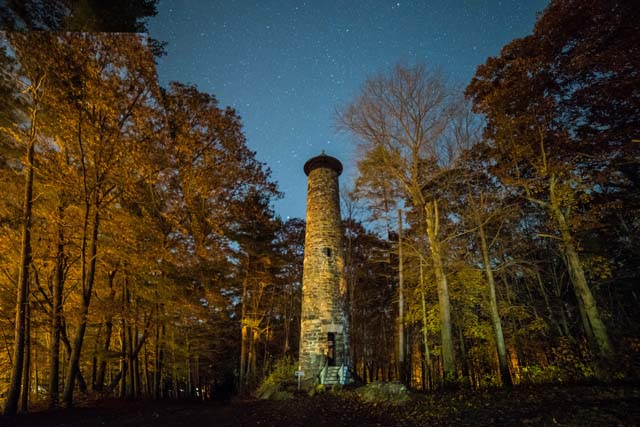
[299, 374]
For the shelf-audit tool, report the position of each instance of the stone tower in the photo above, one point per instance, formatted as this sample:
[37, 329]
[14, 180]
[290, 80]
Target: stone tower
[323, 329]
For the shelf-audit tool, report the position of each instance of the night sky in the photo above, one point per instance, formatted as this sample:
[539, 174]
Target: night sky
[286, 65]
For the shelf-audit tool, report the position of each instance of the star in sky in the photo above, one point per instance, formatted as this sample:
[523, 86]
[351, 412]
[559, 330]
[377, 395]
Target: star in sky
[286, 65]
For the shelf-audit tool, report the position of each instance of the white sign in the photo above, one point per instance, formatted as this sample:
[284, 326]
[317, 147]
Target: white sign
[299, 373]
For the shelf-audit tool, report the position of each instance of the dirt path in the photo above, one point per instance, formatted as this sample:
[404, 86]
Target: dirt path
[530, 406]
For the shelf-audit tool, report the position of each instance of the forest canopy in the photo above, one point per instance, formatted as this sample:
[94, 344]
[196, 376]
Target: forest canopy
[134, 200]
[519, 254]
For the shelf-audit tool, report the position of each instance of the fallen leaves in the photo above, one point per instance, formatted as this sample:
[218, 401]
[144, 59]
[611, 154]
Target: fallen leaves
[594, 405]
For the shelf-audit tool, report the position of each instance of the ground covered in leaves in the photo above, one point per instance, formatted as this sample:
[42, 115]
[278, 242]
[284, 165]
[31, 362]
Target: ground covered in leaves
[596, 405]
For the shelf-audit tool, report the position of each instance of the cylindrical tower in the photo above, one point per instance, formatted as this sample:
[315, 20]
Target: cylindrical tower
[323, 329]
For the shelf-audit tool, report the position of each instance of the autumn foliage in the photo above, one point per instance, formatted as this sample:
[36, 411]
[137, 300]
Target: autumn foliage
[150, 228]
[140, 255]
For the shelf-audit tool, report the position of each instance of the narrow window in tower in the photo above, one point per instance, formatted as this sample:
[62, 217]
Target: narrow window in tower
[327, 251]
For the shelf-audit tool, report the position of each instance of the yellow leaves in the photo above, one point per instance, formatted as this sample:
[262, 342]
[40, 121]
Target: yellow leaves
[519, 312]
[16, 136]
[252, 323]
[467, 286]
[598, 267]
[538, 325]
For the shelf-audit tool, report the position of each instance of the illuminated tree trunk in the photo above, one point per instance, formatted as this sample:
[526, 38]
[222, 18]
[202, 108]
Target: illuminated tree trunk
[505, 376]
[448, 355]
[56, 313]
[402, 371]
[159, 353]
[13, 395]
[87, 280]
[584, 296]
[147, 378]
[102, 364]
[425, 340]
[26, 371]
[244, 339]
[131, 392]
[137, 389]
[123, 346]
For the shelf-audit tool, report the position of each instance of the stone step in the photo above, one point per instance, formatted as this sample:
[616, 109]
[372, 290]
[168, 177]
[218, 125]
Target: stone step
[332, 375]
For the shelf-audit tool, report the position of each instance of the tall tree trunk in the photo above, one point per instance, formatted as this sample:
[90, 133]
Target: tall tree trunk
[56, 314]
[136, 367]
[123, 359]
[584, 319]
[545, 296]
[463, 353]
[87, 281]
[505, 376]
[132, 380]
[244, 338]
[108, 332]
[251, 371]
[286, 322]
[158, 365]
[425, 341]
[94, 365]
[174, 365]
[36, 366]
[147, 379]
[26, 371]
[402, 370]
[13, 395]
[448, 354]
[82, 384]
[584, 296]
[188, 363]
[128, 334]
[94, 358]
[123, 341]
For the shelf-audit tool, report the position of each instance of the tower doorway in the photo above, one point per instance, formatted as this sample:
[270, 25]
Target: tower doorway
[331, 349]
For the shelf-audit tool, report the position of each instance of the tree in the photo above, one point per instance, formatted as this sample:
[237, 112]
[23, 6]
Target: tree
[290, 240]
[560, 120]
[123, 170]
[77, 15]
[98, 85]
[28, 132]
[483, 210]
[401, 119]
[371, 309]
[225, 194]
[475, 200]
[117, 16]
[255, 234]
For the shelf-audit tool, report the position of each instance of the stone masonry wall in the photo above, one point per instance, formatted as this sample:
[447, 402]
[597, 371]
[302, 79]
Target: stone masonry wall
[323, 286]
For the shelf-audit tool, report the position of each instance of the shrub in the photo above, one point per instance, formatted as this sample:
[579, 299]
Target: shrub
[318, 389]
[575, 360]
[571, 362]
[282, 374]
[535, 374]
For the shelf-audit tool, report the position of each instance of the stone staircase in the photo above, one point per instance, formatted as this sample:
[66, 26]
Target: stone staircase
[332, 375]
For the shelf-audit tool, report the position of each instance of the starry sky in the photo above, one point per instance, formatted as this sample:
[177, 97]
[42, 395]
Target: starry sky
[286, 65]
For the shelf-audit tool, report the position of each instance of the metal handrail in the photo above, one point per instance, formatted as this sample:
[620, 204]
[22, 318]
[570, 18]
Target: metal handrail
[323, 371]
